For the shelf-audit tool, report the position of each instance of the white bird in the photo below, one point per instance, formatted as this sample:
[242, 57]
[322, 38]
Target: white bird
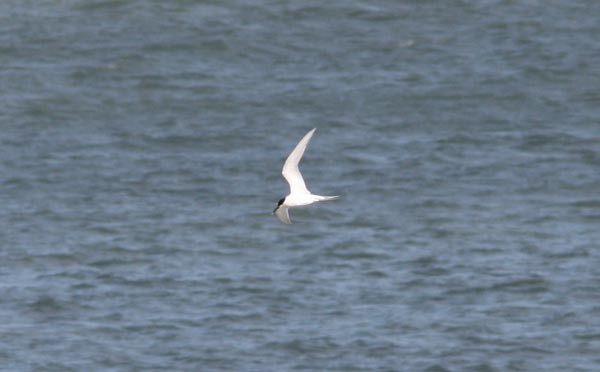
[299, 194]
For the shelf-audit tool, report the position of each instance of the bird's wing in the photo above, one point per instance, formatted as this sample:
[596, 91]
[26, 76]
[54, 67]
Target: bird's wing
[290, 169]
[283, 215]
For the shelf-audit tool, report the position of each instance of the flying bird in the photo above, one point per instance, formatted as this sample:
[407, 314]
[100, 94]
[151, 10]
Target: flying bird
[299, 194]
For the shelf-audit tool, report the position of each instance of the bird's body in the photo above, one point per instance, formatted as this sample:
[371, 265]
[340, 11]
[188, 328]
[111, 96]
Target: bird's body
[299, 194]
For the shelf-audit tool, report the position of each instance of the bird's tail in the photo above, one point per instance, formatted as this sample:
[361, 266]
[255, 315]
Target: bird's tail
[322, 197]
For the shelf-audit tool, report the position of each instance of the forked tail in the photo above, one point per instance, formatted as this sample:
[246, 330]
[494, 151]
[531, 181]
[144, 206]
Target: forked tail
[322, 197]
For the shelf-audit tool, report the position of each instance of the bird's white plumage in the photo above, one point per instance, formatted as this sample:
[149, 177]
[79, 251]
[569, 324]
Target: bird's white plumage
[283, 215]
[299, 194]
[290, 169]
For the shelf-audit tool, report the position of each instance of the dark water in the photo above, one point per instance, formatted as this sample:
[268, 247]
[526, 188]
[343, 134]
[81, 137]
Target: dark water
[140, 150]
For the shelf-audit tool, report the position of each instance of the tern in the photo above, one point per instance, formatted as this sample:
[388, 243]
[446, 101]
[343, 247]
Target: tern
[299, 194]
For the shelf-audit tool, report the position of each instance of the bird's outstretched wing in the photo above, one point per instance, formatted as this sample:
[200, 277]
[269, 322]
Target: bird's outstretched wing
[283, 215]
[290, 169]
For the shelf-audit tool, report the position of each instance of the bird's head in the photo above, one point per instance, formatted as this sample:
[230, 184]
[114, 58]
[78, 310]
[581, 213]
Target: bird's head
[281, 201]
